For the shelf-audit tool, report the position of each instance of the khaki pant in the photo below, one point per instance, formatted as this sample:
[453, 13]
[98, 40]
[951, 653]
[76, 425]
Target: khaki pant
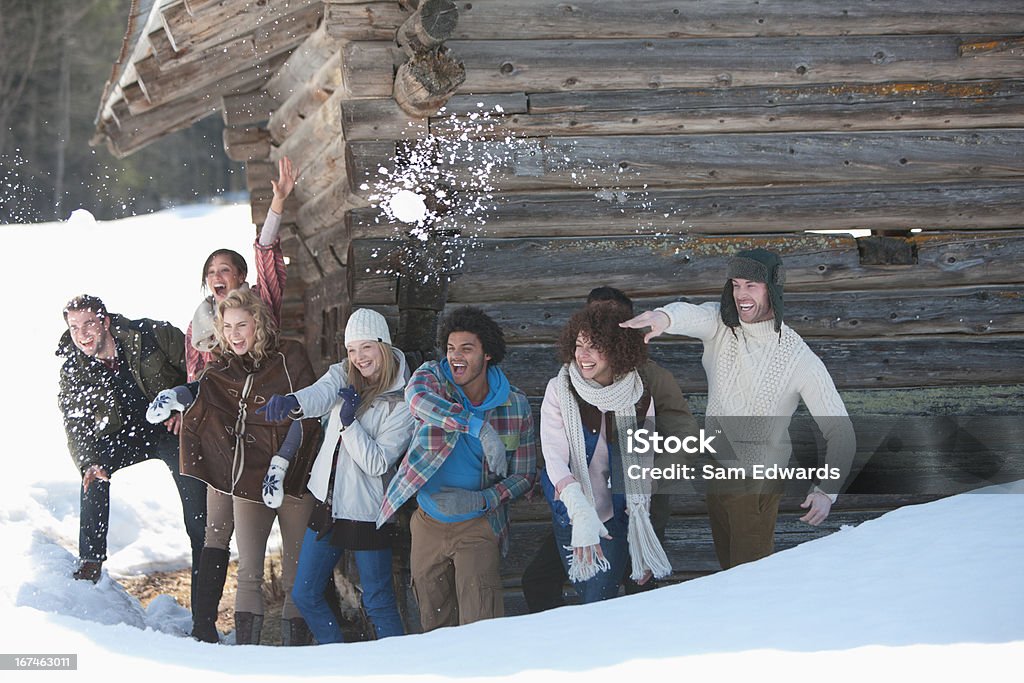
[220, 518]
[454, 571]
[252, 527]
[742, 522]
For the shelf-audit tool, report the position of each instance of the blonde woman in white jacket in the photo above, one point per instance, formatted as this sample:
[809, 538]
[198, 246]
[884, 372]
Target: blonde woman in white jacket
[369, 428]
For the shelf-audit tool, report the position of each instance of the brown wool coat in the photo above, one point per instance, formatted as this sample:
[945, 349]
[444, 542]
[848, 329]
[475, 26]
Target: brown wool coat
[221, 430]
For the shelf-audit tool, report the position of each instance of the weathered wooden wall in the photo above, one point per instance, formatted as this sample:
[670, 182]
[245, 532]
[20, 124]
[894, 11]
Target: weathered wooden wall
[651, 140]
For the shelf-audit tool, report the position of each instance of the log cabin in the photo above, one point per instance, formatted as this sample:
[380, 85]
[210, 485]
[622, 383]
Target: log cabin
[878, 146]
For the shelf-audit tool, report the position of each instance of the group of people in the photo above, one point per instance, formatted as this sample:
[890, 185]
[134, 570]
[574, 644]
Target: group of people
[250, 435]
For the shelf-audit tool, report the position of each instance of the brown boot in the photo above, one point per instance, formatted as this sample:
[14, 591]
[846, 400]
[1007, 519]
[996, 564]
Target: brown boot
[247, 628]
[294, 631]
[88, 570]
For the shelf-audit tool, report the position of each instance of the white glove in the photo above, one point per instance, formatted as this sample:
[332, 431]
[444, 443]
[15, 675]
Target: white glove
[494, 450]
[273, 483]
[587, 529]
[161, 407]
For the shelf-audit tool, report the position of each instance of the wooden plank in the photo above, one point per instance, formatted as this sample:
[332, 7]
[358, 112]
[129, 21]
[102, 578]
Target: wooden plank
[304, 102]
[379, 119]
[246, 143]
[556, 19]
[246, 108]
[138, 129]
[368, 68]
[537, 65]
[164, 85]
[811, 94]
[640, 161]
[902, 115]
[308, 140]
[364, 21]
[956, 206]
[995, 309]
[373, 269]
[560, 268]
[195, 32]
[999, 400]
[328, 207]
[946, 360]
[303, 65]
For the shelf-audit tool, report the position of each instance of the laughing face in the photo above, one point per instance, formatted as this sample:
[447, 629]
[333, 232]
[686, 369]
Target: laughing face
[752, 300]
[366, 357]
[592, 364]
[91, 333]
[239, 330]
[468, 362]
[222, 276]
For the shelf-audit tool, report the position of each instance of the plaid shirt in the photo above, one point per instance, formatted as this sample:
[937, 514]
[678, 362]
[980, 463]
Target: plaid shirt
[441, 420]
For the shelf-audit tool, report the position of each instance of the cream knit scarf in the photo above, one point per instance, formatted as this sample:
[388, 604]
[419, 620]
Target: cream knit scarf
[619, 397]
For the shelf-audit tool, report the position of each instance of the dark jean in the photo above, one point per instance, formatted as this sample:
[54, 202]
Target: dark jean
[316, 563]
[95, 506]
[606, 584]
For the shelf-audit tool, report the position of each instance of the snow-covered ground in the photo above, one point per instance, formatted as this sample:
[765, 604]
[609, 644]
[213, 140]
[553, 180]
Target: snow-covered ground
[931, 592]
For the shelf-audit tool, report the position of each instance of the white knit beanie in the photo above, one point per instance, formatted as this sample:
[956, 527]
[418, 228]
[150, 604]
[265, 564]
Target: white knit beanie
[365, 324]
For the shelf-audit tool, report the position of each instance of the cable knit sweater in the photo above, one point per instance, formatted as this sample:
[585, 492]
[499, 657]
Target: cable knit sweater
[756, 374]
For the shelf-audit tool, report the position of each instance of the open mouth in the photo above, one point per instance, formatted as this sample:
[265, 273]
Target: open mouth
[587, 366]
[458, 369]
[220, 290]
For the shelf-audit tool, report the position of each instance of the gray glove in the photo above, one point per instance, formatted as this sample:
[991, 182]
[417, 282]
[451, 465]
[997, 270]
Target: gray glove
[453, 502]
[494, 450]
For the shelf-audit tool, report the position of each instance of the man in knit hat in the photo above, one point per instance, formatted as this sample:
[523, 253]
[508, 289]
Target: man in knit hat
[758, 370]
[473, 451]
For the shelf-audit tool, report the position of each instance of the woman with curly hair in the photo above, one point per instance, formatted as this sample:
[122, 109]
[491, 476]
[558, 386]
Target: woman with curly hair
[588, 413]
[228, 443]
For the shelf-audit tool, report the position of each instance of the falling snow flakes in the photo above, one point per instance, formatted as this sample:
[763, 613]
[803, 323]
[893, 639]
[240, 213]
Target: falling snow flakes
[440, 187]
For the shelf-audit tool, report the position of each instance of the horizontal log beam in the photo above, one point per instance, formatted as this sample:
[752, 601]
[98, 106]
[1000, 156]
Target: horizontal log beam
[853, 363]
[544, 66]
[811, 94]
[878, 116]
[497, 270]
[639, 161]
[930, 206]
[556, 19]
[995, 309]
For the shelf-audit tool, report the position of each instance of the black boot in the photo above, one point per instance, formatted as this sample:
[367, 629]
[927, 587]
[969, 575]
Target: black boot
[247, 628]
[294, 631]
[208, 587]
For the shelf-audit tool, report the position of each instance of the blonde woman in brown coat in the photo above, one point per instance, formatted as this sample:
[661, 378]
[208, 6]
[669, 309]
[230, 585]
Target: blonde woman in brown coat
[227, 442]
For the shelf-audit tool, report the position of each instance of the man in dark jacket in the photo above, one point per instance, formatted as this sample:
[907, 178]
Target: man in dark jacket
[114, 367]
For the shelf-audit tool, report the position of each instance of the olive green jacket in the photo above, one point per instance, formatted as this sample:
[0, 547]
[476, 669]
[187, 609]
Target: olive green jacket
[88, 398]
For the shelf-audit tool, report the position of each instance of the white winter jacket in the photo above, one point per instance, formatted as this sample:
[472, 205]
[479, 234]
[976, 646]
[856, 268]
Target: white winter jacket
[370, 447]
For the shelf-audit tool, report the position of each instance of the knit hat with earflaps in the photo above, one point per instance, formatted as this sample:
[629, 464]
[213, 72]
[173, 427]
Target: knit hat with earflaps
[366, 324]
[758, 265]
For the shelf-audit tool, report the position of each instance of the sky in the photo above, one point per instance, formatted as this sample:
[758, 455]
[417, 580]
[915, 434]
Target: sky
[932, 592]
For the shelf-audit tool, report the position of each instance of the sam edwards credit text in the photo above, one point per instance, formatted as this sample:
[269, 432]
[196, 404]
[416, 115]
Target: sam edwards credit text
[708, 472]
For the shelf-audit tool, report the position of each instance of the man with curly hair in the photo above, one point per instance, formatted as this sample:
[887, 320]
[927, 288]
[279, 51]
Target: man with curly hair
[473, 451]
[758, 371]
